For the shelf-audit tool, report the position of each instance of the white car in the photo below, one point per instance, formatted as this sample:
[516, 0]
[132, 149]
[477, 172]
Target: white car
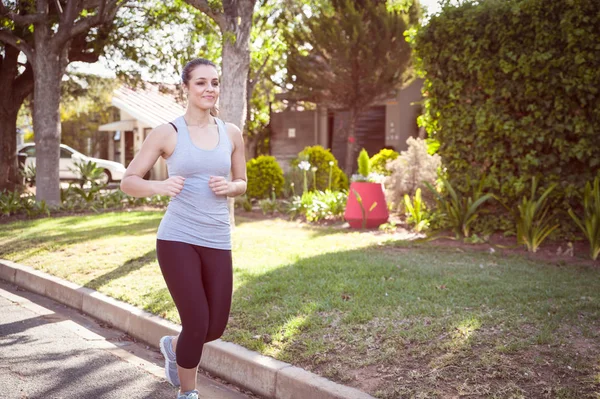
[113, 171]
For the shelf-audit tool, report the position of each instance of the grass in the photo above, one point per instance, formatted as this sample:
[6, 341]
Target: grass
[391, 318]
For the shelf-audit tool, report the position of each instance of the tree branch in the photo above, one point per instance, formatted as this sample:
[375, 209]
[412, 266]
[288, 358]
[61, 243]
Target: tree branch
[9, 38]
[203, 6]
[107, 10]
[253, 80]
[21, 19]
[67, 19]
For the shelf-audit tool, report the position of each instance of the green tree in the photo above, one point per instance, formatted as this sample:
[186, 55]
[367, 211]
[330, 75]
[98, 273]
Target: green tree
[349, 55]
[63, 31]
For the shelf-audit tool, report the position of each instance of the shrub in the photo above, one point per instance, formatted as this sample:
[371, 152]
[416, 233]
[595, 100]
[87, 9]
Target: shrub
[410, 170]
[319, 205]
[243, 202]
[415, 211]
[460, 210]
[320, 158]
[264, 175]
[364, 167]
[379, 161]
[512, 92]
[533, 220]
[590, 222]
[365, 173]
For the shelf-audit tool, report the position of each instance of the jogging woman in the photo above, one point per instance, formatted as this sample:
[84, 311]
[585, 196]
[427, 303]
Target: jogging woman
[206, 164]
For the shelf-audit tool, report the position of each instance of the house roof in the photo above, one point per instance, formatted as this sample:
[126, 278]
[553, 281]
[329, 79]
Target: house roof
[148, 106]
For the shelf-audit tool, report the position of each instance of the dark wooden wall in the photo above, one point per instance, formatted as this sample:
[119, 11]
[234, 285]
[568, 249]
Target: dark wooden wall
[370, 133]
[285, 148]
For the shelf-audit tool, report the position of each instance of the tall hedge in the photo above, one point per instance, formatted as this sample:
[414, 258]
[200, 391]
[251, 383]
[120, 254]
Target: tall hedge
[513, 90]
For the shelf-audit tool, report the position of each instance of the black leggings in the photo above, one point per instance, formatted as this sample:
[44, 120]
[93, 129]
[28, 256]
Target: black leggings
[200, 282]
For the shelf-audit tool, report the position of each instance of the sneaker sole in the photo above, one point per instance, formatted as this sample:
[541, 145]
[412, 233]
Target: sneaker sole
[163, 350]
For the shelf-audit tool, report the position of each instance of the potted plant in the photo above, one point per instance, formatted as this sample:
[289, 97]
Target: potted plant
[366, 206]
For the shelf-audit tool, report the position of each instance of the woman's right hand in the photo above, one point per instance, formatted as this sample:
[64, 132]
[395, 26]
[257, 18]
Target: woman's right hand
[171, 187]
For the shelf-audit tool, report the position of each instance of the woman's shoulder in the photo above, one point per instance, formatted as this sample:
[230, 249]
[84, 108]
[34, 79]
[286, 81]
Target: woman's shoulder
[163, 131]
[231, 128]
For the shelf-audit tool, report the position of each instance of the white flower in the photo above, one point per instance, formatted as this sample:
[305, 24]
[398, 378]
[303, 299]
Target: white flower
[304, 165]
[314, 168]
[331, 163]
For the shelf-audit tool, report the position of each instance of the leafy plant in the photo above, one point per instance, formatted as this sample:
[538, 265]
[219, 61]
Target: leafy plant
[388, 227]
[589, 223]
[533, 221]
[364, 166]
[28, 174]
[328, 174]
[89, 172]
[410, 170]
[269, 205]
[243, 202]
[460, 210]
[264, 173]
[380, 160]
[363, 211]
[319, 205]
[10, 202]
[415, 209]
[364, 169]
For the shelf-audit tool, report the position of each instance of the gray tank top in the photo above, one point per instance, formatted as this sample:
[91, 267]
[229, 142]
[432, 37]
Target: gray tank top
[196, 215]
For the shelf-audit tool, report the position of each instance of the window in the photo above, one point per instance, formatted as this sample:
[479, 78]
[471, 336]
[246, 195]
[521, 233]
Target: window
[64, 153]
[29, 150]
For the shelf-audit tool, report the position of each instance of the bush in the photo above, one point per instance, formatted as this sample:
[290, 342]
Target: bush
[410, 170]
[590, 222]
[320, 158]
[319, 205]
[380, 160]
[534, 222]
[460, 210]
[264, 176]
[511, 92]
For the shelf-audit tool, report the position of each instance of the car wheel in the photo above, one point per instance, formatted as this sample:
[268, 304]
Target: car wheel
[104, 177]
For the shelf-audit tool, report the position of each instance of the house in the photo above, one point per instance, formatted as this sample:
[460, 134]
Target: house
[140, 110]
[385, 125]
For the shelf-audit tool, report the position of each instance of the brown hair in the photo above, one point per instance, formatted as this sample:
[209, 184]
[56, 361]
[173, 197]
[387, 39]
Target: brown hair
[189, 68]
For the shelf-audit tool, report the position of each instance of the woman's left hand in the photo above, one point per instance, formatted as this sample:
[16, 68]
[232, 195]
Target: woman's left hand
[219, 185]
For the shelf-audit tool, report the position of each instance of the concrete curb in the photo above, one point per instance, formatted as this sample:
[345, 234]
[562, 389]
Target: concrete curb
[260, 374]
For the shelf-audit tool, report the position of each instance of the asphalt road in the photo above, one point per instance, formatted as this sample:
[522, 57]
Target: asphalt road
[50, 351]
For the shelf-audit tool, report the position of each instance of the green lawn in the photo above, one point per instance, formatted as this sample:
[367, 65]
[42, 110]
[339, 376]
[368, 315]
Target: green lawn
[391, 318]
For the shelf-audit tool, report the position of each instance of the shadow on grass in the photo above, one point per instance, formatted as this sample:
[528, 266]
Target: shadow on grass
[306, 311]
[128, 267]
[70, 234]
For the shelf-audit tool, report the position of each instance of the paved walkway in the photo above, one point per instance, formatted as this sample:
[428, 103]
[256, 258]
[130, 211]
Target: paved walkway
[50, 351]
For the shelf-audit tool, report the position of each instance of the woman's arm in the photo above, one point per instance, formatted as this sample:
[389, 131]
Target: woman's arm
[153, 147]
[237, 185]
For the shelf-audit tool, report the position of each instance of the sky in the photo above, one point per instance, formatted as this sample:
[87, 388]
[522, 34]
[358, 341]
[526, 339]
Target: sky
[432, 6]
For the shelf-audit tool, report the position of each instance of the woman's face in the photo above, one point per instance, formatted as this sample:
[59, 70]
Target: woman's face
[203, 87]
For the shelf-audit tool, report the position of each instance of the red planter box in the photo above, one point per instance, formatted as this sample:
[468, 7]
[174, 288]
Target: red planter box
[370, 193]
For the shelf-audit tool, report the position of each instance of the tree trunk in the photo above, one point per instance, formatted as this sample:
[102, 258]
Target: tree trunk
[351, 152]
[8, 145]
[48, 73]
[236, 62]
[15, 88]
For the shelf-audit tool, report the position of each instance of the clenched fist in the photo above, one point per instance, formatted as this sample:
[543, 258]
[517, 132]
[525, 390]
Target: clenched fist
[171, 187]
[219, 185]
